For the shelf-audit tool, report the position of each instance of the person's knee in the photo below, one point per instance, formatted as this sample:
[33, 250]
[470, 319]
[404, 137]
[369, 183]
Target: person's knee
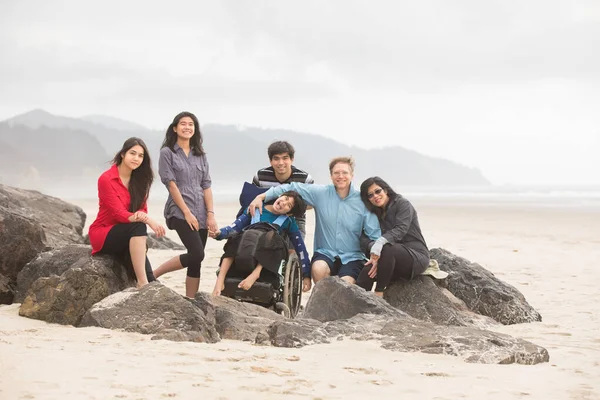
[138, 229]
[348, 279]
[194, 260]
[137, 240]
[387, 251]
[319, 270]
[196, 255]
[364, 280]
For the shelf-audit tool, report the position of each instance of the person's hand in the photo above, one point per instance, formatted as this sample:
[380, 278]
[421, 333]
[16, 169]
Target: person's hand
[219, 286]
[158, 229]
[373, 263]
[191, 220]
[306, 284]
[140, 216]
[213, 234]
[256, 203]
[211, 223]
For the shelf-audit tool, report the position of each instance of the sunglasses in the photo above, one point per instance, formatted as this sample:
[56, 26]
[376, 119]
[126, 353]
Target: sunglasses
[376, 191]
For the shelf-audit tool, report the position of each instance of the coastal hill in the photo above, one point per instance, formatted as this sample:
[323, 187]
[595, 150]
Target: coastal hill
[41, 147]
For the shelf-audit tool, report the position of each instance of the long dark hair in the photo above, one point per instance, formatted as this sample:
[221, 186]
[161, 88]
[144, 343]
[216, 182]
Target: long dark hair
[141, 177]
[195, 141]
[364, 193]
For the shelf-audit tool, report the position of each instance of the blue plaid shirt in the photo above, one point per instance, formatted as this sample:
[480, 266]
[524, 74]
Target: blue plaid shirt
[339, 222]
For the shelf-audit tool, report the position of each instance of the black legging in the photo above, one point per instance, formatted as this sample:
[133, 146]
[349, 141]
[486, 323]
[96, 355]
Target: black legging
[194, 242]
[395, 263]
[117, 245]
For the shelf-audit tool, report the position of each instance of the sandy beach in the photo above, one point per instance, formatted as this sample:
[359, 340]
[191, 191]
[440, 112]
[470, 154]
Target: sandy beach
[548, 253]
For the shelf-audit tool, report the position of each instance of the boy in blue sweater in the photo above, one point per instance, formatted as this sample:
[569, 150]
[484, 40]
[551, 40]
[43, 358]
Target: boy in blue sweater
[281, 213]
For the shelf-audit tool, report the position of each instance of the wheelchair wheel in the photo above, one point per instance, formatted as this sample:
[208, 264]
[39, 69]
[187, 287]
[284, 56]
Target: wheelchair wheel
[292, 285]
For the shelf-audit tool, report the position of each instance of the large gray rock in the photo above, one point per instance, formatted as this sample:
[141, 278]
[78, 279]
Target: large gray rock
[30, 223]
[61, 285]
[482, 292]
[470, 344]
[411, 335]
[62, 222]
[7, 291]
[162, 243]
[153, 310]
[334, 299]
[58, 261]
[21, 240]
[235, 319]
[423, 299]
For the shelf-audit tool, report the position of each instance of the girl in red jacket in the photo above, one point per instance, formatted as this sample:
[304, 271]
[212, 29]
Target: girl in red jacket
[120, 227]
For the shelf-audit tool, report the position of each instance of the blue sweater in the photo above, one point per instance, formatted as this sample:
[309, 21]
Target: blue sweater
[339, 222]
[289, 226]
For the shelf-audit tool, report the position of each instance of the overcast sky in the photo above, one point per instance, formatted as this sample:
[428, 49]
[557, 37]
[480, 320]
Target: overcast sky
[509, 87]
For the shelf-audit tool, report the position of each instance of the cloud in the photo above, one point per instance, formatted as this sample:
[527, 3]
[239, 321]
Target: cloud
[478, 82]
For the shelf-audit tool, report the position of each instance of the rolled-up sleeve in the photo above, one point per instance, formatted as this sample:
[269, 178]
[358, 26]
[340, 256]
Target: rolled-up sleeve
[206, 181]
[165, 166]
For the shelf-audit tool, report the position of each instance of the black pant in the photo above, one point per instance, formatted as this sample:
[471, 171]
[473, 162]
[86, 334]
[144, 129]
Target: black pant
[194, 242]
[395, 263]
[117, 245]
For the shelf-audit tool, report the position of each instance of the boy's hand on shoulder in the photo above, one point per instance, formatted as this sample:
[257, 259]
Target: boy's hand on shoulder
[256, 203]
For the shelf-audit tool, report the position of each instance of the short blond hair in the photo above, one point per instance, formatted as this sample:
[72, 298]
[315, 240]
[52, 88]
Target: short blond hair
[341, 160]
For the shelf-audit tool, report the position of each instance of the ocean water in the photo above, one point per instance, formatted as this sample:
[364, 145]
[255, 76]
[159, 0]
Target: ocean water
[585, 197]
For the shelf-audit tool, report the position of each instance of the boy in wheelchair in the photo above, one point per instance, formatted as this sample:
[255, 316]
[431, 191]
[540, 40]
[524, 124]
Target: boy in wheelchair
[255, 248]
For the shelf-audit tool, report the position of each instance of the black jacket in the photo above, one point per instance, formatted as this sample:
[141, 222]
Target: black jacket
[400, 224]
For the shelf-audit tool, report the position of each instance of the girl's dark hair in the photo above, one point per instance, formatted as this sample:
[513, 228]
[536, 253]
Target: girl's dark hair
[364, 192]
[141, 177]
[299, 204]
[195, 141]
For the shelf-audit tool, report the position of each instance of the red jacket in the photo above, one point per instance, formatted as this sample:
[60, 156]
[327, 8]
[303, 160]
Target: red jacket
[113, 201]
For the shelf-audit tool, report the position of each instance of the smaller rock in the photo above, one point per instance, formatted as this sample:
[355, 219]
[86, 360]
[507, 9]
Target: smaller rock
[154, 309]
[333, 299]
[423, 299]
[235, 319]
[297, 333]
[482, 292]
[162, 243]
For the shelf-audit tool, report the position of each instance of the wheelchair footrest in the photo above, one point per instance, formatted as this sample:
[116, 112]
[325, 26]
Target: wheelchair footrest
[260, 292]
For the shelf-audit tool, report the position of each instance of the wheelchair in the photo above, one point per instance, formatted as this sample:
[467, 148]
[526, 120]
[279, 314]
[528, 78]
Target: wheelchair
[282, 292]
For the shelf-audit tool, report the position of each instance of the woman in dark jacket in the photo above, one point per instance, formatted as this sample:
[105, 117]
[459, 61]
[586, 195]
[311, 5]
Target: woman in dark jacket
[401, 251]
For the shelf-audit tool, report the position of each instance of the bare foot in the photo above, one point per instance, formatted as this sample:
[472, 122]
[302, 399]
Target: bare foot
[248, 282]
[379, 294]
[218, 289]
[140, 285]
